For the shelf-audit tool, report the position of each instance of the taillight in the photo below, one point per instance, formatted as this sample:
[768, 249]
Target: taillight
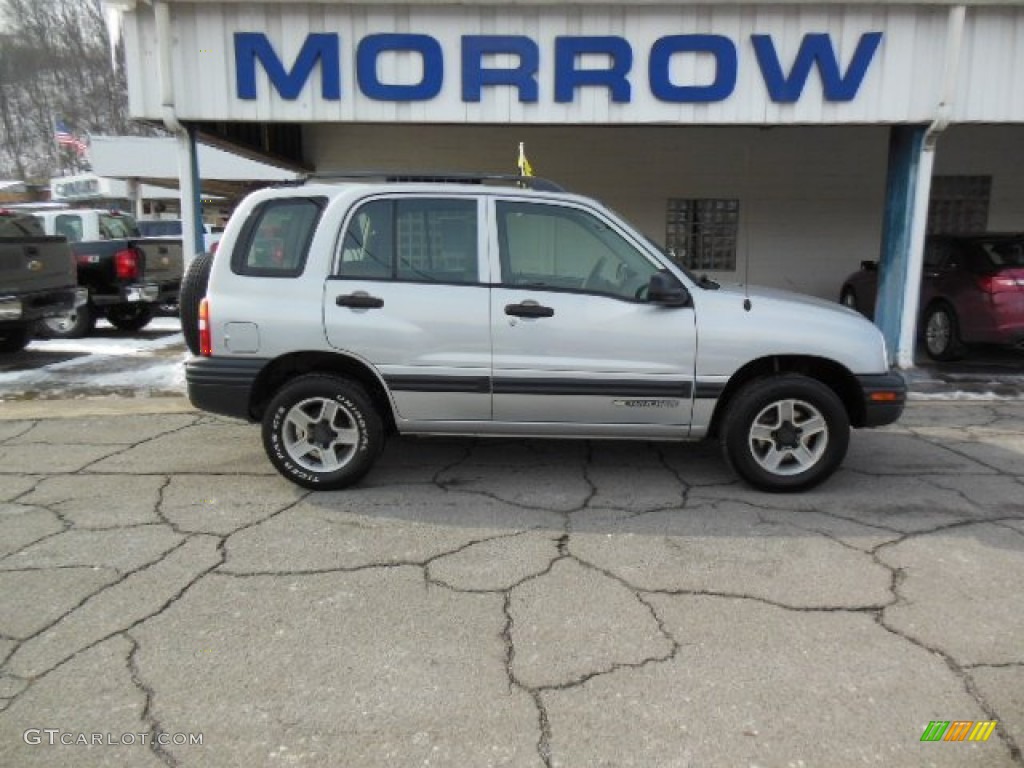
[205, 338]
[213, 248]
[126, 264]
[998, 283]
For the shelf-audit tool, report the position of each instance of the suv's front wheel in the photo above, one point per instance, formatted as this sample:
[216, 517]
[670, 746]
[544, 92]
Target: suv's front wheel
[322, 432]
[785, 433]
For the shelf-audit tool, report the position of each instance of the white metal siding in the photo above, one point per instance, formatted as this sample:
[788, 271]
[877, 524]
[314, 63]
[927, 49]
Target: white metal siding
[901, 85]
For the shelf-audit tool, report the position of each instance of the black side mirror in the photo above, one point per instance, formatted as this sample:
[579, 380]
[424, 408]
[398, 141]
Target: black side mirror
[666, 290]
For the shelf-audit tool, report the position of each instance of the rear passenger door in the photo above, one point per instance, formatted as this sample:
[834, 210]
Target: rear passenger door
[408, 295]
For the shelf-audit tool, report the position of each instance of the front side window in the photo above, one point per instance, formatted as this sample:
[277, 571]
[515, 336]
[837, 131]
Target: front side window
[555, 247]
[415, 240]
[277, 242]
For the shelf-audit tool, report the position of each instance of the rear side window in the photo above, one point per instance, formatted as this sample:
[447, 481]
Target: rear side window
[117, 227]
[69, 226]
[276, 239]
[413, 240]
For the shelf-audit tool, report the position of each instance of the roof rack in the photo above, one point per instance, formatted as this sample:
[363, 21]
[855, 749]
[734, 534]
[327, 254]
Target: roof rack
[430, 177]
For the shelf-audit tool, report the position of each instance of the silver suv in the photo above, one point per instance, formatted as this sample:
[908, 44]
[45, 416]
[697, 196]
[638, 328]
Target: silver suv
[338, 314]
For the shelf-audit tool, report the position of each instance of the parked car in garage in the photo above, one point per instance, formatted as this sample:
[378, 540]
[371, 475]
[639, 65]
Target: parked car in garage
[972, 292]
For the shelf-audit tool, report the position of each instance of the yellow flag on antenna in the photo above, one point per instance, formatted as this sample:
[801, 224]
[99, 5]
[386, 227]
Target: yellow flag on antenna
[525, 169]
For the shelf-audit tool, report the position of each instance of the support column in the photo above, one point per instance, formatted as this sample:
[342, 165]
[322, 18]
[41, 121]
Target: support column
[191, 203]
[135, 195]
[908, 187]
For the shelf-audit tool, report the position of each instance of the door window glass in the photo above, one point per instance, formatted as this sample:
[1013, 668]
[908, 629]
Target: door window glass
[547, 246]
[68, 226]
[417, 240]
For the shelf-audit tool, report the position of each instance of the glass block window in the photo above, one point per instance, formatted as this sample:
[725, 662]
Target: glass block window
[959, 204]
[702, 234]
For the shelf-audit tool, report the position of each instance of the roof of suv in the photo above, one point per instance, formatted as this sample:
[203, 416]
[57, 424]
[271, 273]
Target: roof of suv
[431, 177]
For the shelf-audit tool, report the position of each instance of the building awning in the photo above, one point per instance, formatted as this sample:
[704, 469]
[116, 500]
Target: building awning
[154, 160]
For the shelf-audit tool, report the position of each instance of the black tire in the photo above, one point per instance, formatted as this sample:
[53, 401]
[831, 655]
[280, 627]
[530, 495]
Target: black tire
[74, 325]
[14, 340]
[130, 317]
[310, 411]
[942, 333]
[785, 433]
[193, 291]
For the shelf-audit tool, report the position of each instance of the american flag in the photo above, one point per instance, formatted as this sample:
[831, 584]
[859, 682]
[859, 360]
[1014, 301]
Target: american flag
[68, 139]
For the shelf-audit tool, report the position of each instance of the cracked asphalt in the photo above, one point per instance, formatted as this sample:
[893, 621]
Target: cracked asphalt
[479, 603]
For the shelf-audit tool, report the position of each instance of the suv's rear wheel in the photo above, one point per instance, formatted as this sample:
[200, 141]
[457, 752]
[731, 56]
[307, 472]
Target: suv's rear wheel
[322, 432]
[785, 433]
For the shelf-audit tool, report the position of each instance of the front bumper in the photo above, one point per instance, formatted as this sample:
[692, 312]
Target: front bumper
[223, 385]
[885, 395]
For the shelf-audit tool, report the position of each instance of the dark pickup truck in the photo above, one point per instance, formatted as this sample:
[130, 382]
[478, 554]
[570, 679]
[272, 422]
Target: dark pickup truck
[37, 279]
[127, 277]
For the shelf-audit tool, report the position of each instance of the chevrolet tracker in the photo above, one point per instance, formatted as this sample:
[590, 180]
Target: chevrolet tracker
[337, 314]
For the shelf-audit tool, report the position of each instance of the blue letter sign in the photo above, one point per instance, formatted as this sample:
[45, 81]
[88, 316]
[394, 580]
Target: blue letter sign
[568, 78]
[568, 66]
[250, 46]
[815, 49]
[427, 47]
[475, 77]
[661, 59]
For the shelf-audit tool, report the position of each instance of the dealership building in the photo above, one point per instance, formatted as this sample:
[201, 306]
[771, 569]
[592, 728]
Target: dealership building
[775, 143]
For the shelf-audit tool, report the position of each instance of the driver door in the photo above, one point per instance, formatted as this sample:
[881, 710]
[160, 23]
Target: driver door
[574, 338]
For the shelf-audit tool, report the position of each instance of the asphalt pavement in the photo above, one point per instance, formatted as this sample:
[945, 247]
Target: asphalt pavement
[520, 603]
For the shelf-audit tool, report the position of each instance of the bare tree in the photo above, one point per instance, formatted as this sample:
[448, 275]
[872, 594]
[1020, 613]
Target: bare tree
[56, 63]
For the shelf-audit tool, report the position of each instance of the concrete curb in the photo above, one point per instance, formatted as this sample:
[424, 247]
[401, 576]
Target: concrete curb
[93, 406]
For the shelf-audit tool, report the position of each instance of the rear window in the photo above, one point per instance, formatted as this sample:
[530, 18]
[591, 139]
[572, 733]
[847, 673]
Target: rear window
[277, 237]
[19, 225]
[117, 226]
[1004, 253]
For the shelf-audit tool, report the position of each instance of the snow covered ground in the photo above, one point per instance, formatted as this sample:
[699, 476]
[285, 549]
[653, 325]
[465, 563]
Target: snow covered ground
[110, 362]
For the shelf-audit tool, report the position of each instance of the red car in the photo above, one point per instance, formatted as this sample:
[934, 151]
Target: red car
[972, 291]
